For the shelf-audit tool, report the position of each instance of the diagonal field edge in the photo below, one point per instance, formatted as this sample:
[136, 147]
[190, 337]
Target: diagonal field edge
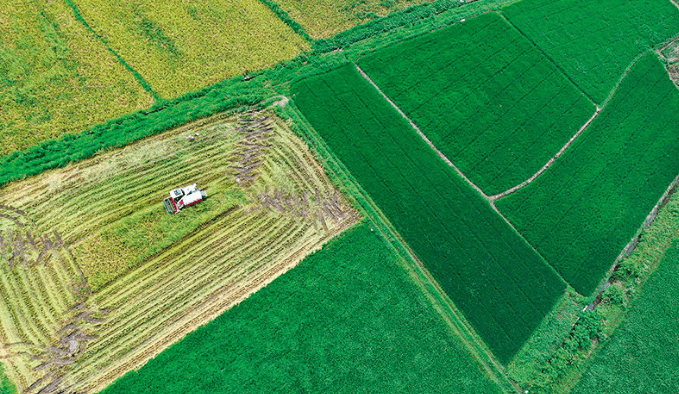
[450, 163]
[424, 137]
[550, 161]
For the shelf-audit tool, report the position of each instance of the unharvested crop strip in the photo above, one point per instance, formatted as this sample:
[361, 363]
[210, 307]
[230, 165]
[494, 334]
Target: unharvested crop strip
[421, 134]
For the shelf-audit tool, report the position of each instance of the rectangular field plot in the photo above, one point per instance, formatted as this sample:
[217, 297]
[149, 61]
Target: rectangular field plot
[348, 319]
[56, 77]
[181, 46]
[595, 41]
[586, 207]
[481, 92]
[502, 285]
[96, 278]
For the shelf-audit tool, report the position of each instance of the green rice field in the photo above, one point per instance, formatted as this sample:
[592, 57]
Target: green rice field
[489, 100]
[586, 207]
[594, 42]
[502, 286]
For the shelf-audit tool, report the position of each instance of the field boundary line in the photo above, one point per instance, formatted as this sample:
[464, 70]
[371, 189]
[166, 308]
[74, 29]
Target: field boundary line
[582, 129]
[490, 200]
[422, 135]
[144, 84]
[439, 300]
[285, 17]
[558, 67]
[550, 161]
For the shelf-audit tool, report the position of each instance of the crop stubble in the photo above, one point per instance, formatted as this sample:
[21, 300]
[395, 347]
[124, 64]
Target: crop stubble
[235, 246]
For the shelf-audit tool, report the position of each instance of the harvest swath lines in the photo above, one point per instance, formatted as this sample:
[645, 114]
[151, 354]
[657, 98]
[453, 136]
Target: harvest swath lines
[498, 120]
[503, 287]
[116, 295]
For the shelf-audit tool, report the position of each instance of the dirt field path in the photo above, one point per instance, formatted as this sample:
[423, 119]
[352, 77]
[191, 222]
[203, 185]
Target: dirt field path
[550, 162]
[424, 137]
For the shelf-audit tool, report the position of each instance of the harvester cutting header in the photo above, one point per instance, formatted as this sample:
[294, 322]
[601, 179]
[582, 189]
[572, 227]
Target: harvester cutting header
[184, 197]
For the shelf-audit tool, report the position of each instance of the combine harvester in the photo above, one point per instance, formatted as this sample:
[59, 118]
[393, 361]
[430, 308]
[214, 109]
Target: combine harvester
[184, 197]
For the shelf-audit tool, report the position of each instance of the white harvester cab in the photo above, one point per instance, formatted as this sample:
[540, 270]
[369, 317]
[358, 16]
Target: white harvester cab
[184, 197]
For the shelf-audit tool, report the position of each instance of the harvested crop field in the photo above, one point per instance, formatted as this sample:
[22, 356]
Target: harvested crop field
[586, 207]
[100, 278]
[503, 287]
[348, 319]
[183, 46]
[485, 96]
[56, 77]
[595, 41]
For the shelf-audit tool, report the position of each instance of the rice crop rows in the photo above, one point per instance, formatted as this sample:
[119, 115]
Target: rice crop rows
[183, 46]
[131, 279]
[587, 206]
[485, 96]
[595, 41]
[503, 287]
[56, 78]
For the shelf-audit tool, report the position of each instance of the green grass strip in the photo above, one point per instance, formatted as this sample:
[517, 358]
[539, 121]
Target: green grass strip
[137, 76]
[287, 19]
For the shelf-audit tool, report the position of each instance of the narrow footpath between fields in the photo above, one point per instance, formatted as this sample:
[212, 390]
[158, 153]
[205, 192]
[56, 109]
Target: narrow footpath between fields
[424, 137]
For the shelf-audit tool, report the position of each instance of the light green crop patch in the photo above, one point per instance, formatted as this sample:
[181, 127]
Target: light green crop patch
[179, 47]
[56, 77]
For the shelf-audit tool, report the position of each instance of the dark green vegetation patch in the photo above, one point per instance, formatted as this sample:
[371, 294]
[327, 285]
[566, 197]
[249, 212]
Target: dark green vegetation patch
[503, 286]
[641, 356]
[595, 41]
[347, 320]
[485, 96]
[585, 208]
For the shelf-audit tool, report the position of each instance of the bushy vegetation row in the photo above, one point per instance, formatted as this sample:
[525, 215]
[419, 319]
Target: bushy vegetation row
[502, 286]
[595, 41]
[180, 47]
[585, 208]
[641, 355]
[315, 329]
[560, 351]
[490, 101]
[55, 77]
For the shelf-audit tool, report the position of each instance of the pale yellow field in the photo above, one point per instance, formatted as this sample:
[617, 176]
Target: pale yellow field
[97, 278]
[181, 46]
[55, 77]
[325, 18]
